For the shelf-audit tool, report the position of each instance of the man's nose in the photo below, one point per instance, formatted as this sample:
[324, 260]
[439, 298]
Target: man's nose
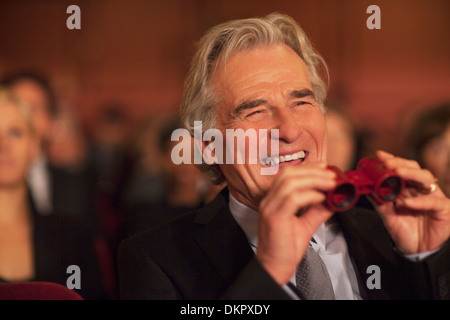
[288, 126]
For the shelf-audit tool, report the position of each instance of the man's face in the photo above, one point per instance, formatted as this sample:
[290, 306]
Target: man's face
[268, 88]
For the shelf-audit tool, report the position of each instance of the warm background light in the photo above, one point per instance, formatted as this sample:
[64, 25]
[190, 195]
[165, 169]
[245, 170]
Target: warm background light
[137, 52]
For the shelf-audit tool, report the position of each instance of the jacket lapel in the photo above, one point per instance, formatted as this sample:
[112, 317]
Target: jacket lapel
[347, 221]
[213, 224]
[368, 244]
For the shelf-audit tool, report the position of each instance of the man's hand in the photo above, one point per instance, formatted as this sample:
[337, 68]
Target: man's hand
[290, 213]
[417, 221]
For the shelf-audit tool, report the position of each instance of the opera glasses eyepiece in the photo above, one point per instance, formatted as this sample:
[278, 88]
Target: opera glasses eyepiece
[370, 178]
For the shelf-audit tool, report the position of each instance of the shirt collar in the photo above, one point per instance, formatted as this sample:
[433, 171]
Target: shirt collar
[247, 218]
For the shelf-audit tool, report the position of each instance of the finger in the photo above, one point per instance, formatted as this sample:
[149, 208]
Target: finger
[297, 173]
[292, 203]
[419, 175]
[426, 203]
[321, 181]
[295, 187]
[283, 181]
[392, 162]
[317, 168]
[311, 218]
[421, 180]
[383, 155]
[397, 163]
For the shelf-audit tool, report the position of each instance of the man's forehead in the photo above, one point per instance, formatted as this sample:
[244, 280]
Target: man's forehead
[265, 55]
[276, 65]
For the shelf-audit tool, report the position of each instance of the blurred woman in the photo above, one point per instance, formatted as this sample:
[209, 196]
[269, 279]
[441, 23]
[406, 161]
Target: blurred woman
[181, 187]
[35, 247]
[429, 143]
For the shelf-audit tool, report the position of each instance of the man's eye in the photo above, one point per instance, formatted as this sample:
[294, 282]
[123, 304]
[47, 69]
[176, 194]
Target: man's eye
[302, 103]
[254, 113]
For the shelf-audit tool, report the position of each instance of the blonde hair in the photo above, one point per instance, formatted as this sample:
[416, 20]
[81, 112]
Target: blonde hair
[226, 39]
[7, 97]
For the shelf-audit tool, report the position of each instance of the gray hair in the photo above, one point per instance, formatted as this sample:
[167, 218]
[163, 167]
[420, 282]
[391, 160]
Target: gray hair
[226, 39]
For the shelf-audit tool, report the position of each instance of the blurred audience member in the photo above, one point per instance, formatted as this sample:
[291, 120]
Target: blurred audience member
[67, 148]
[36, 91]
[36, 247]
[184, 187]
[109, 163]
[109, 140]
[108, 144]
[53, 188]
[342, 140]
[428, 142]
[345, 144]
[146, 183]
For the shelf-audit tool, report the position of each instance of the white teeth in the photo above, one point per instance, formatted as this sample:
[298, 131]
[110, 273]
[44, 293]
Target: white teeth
[288, 157]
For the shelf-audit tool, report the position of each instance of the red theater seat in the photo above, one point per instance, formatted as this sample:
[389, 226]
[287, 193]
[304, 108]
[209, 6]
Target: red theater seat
[36, 290]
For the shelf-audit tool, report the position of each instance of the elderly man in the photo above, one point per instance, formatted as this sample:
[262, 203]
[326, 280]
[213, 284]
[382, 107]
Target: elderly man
[256, 239]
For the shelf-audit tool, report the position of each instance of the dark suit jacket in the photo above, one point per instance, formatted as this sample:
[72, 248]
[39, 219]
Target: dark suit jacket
[206, 255]
[72, 194]
[59, 242]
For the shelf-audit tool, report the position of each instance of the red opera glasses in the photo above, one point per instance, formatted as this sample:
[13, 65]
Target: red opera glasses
[371, 177]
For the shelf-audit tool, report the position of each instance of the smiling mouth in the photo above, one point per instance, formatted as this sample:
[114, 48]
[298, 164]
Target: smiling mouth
[276, 160]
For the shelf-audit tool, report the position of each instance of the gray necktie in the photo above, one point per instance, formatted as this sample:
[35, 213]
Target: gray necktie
[312, 278]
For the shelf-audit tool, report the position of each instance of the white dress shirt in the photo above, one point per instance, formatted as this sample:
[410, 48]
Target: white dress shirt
[39, 183]
[330, 245]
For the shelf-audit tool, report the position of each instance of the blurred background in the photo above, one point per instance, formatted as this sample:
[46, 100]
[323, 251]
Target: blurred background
[135, 53]
[118, 83]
